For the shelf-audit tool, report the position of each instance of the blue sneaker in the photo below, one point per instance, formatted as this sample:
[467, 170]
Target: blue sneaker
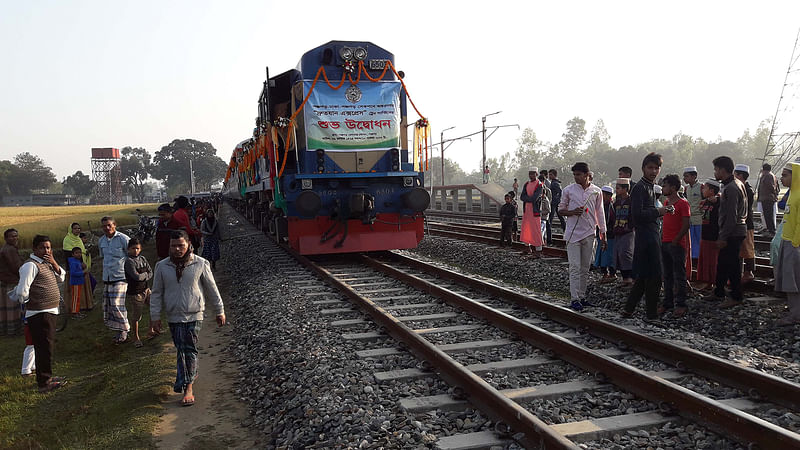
[586, 302]
[576, 305]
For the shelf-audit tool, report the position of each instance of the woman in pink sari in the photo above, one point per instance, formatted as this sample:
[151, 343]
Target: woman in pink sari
[531, 196]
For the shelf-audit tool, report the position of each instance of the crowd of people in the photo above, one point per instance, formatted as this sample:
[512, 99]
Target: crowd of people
[182, 283]
[659, 231]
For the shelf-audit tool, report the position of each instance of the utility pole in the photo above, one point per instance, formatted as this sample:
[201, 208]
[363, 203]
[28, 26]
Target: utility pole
[191, 177]
[441, 147]
[784, 141]
[485, 138]
[483, 134]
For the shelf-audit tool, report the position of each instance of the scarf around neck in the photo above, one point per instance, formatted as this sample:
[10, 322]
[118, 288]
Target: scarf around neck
[180, 263]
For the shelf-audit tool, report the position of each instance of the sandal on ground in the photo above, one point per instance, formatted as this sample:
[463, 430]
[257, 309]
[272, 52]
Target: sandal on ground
[51, 386]
[151, 334]
[137, 343]
[187, 401]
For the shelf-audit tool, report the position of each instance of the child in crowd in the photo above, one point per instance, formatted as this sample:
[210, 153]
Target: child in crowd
[622, 227]
[604, 259]
[88, 302]
[707, 261]
[675, 247]
[29, 354]
[508, 215]
[137, 273]
[748, 249]
[514, 226]
[76, 281]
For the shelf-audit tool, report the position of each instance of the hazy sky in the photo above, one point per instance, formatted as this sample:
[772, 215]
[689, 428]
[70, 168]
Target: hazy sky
[83, 74]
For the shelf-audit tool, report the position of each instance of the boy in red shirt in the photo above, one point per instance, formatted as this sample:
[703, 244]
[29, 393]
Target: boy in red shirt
[674, 246]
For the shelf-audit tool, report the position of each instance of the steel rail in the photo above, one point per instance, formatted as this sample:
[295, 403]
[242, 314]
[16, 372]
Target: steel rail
[529, 430]
[755, 383]
[549, 251]
[468, 232]
[667, 395]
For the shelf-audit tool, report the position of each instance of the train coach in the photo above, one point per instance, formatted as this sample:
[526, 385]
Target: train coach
[329, 169]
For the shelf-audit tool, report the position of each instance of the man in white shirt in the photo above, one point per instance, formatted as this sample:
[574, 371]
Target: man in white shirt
[38, 290]
[582, 205]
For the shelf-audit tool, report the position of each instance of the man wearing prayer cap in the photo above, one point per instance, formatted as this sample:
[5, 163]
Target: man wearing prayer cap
[532, 195]
[694, 196]
[748, 250]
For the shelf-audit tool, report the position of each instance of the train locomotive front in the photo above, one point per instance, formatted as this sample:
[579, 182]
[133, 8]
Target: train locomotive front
[328, 168]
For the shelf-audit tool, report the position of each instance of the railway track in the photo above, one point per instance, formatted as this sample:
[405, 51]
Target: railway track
[761, 243]
[472, 334]
[489, 234]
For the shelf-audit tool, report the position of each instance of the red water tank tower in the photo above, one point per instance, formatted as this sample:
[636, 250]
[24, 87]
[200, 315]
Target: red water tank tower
[107, 174]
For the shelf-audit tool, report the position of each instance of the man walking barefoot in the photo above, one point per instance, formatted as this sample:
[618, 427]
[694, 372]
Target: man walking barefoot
[181, 285]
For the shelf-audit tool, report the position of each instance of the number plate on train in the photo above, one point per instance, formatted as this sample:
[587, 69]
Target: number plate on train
[377, 64]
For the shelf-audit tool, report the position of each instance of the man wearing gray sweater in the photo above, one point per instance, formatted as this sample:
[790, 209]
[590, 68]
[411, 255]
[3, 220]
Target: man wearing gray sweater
[182, 284]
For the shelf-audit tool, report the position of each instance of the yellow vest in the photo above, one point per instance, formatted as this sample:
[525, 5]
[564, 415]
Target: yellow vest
[791, 216]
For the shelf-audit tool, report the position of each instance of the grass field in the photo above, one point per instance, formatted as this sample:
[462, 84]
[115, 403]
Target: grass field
[113, 394]
[54, 221]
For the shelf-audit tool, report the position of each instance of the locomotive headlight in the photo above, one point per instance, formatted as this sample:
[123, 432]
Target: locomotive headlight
[417, 199]
[308, 203]
[306, 183]
[360, 54]
[408, 181]
[346, 53]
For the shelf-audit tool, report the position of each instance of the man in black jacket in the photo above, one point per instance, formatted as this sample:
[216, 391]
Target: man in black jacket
[732, 231]
[647, 241]
[555, 190]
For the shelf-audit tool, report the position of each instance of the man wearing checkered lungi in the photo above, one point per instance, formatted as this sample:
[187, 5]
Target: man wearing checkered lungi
[114, 249]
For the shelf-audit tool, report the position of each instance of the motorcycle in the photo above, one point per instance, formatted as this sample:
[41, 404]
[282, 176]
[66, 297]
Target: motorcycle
[147, 227]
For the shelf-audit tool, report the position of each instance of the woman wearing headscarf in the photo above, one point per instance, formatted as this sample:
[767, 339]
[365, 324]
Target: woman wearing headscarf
[211, 237]
[72, 240]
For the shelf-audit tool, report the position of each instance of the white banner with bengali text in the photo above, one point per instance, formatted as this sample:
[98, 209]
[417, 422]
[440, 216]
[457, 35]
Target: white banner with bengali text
[361, 117]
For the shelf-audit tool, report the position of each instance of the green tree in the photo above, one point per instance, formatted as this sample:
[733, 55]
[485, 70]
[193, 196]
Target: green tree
[453, 173]
[171, 164]
[31, 174]
[501, 170]
[7, 168]
[135, 167]
[598, 139]
[78, 184]
[573, 139]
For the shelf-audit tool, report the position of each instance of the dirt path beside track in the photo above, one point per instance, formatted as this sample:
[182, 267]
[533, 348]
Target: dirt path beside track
[216, 421]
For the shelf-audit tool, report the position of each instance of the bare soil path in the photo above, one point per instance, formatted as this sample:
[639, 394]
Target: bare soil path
[217, 417]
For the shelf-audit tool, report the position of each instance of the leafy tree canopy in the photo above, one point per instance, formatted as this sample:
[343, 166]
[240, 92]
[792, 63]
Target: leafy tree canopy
[135, 167]
[171, 164]
[29, 173]
[78, 184]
